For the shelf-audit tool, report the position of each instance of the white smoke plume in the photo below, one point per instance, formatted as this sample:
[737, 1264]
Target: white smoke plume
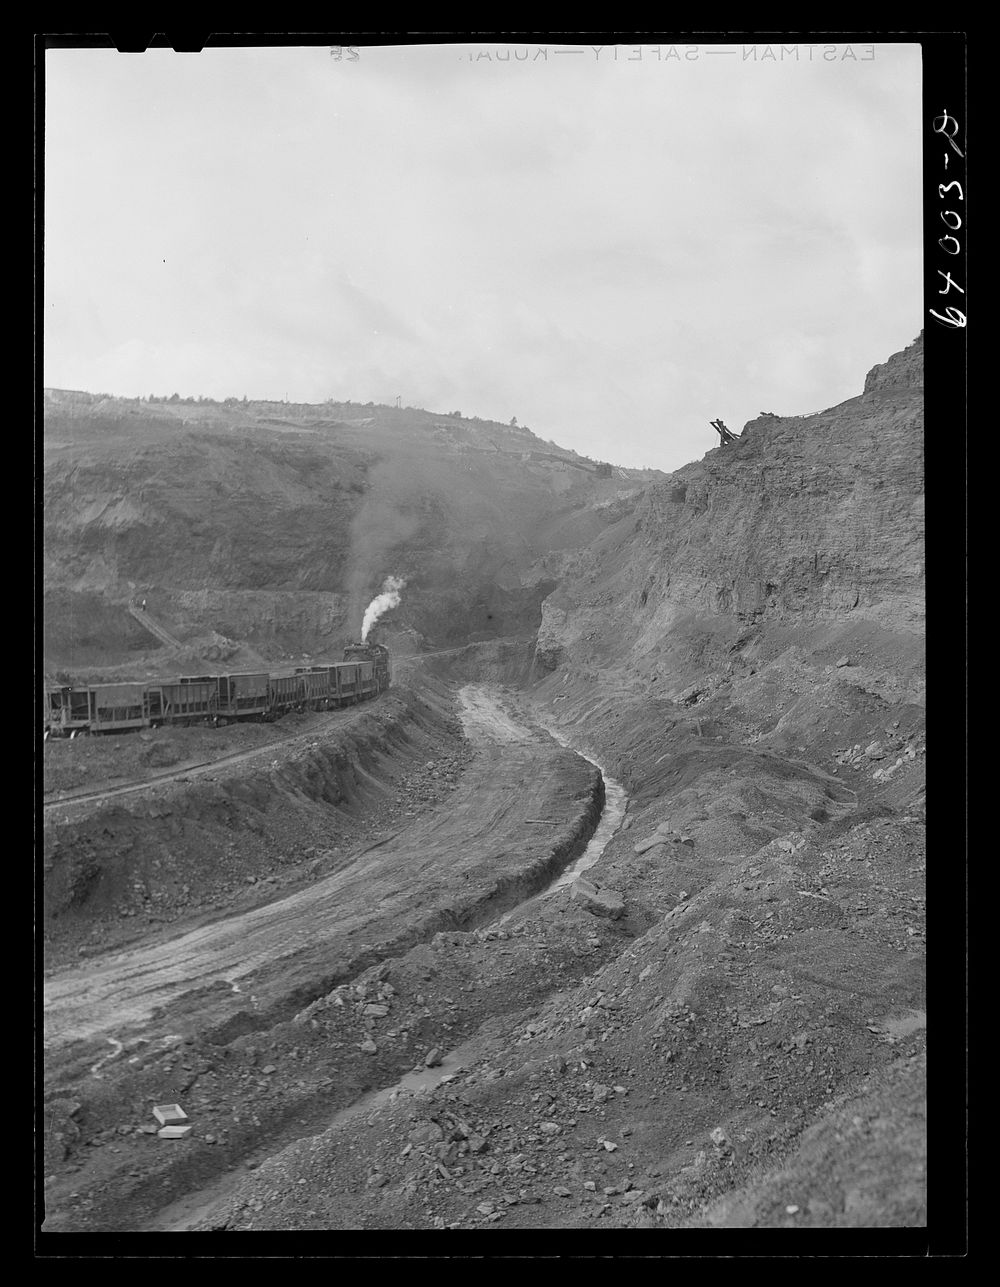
[389, 598]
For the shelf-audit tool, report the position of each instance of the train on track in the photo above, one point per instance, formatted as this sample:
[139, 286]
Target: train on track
[71, 711]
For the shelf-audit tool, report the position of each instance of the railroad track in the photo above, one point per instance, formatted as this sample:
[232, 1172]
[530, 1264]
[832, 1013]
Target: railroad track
[177, 775]
[201, 766]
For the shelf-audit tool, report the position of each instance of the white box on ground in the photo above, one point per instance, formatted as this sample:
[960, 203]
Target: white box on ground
[169, 1114]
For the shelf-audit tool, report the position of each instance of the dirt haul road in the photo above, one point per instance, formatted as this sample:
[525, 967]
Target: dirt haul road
[460, 864]
[64, 800]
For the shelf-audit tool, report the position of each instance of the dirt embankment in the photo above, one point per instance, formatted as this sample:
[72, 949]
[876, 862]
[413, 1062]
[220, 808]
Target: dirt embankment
[210, 840]
[100, 765]
[746, 1042]
[722, 1024]
[500, 662]
[519, 811]
[743, 1045]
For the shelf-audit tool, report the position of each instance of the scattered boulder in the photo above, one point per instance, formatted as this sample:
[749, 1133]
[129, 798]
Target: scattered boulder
[653, 842]
[599, 902]
[433, 1058]
[427, 1133]
[661, 836]
[61, 1131]
[58, 1112]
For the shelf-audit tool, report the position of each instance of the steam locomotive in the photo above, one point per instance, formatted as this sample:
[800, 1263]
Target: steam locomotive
[217, 699]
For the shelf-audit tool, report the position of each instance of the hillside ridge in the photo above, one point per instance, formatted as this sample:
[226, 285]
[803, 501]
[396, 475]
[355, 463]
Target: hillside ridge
[274, 524]
[803, 519]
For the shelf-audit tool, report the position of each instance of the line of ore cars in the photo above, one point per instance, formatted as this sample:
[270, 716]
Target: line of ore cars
[217, 699]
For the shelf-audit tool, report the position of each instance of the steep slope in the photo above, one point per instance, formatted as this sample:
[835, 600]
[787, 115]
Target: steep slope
[275, 524]
[723, 1025]
[804, 521]
[753, 633]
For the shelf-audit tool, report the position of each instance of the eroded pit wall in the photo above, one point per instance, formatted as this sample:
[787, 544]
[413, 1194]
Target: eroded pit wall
[496, 661]
[483, 837]
[164, 850]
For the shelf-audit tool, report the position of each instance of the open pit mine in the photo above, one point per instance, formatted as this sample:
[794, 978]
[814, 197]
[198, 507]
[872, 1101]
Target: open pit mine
[606, 912]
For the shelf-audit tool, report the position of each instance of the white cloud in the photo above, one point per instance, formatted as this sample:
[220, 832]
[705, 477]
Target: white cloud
[614, 252]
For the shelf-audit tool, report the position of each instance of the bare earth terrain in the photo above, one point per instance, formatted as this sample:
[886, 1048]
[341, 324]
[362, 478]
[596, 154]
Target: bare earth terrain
[388, 891]
[371, 954]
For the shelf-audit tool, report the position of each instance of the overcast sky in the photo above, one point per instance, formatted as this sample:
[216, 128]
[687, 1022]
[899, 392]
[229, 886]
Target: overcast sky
[614, 250]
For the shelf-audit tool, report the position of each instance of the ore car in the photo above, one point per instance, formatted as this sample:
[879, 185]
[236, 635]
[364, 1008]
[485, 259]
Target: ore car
[347, 682]
[244, 696]
[318, 687]
[97, 708]
[68, 711]
[184, 701]
[285, 693]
